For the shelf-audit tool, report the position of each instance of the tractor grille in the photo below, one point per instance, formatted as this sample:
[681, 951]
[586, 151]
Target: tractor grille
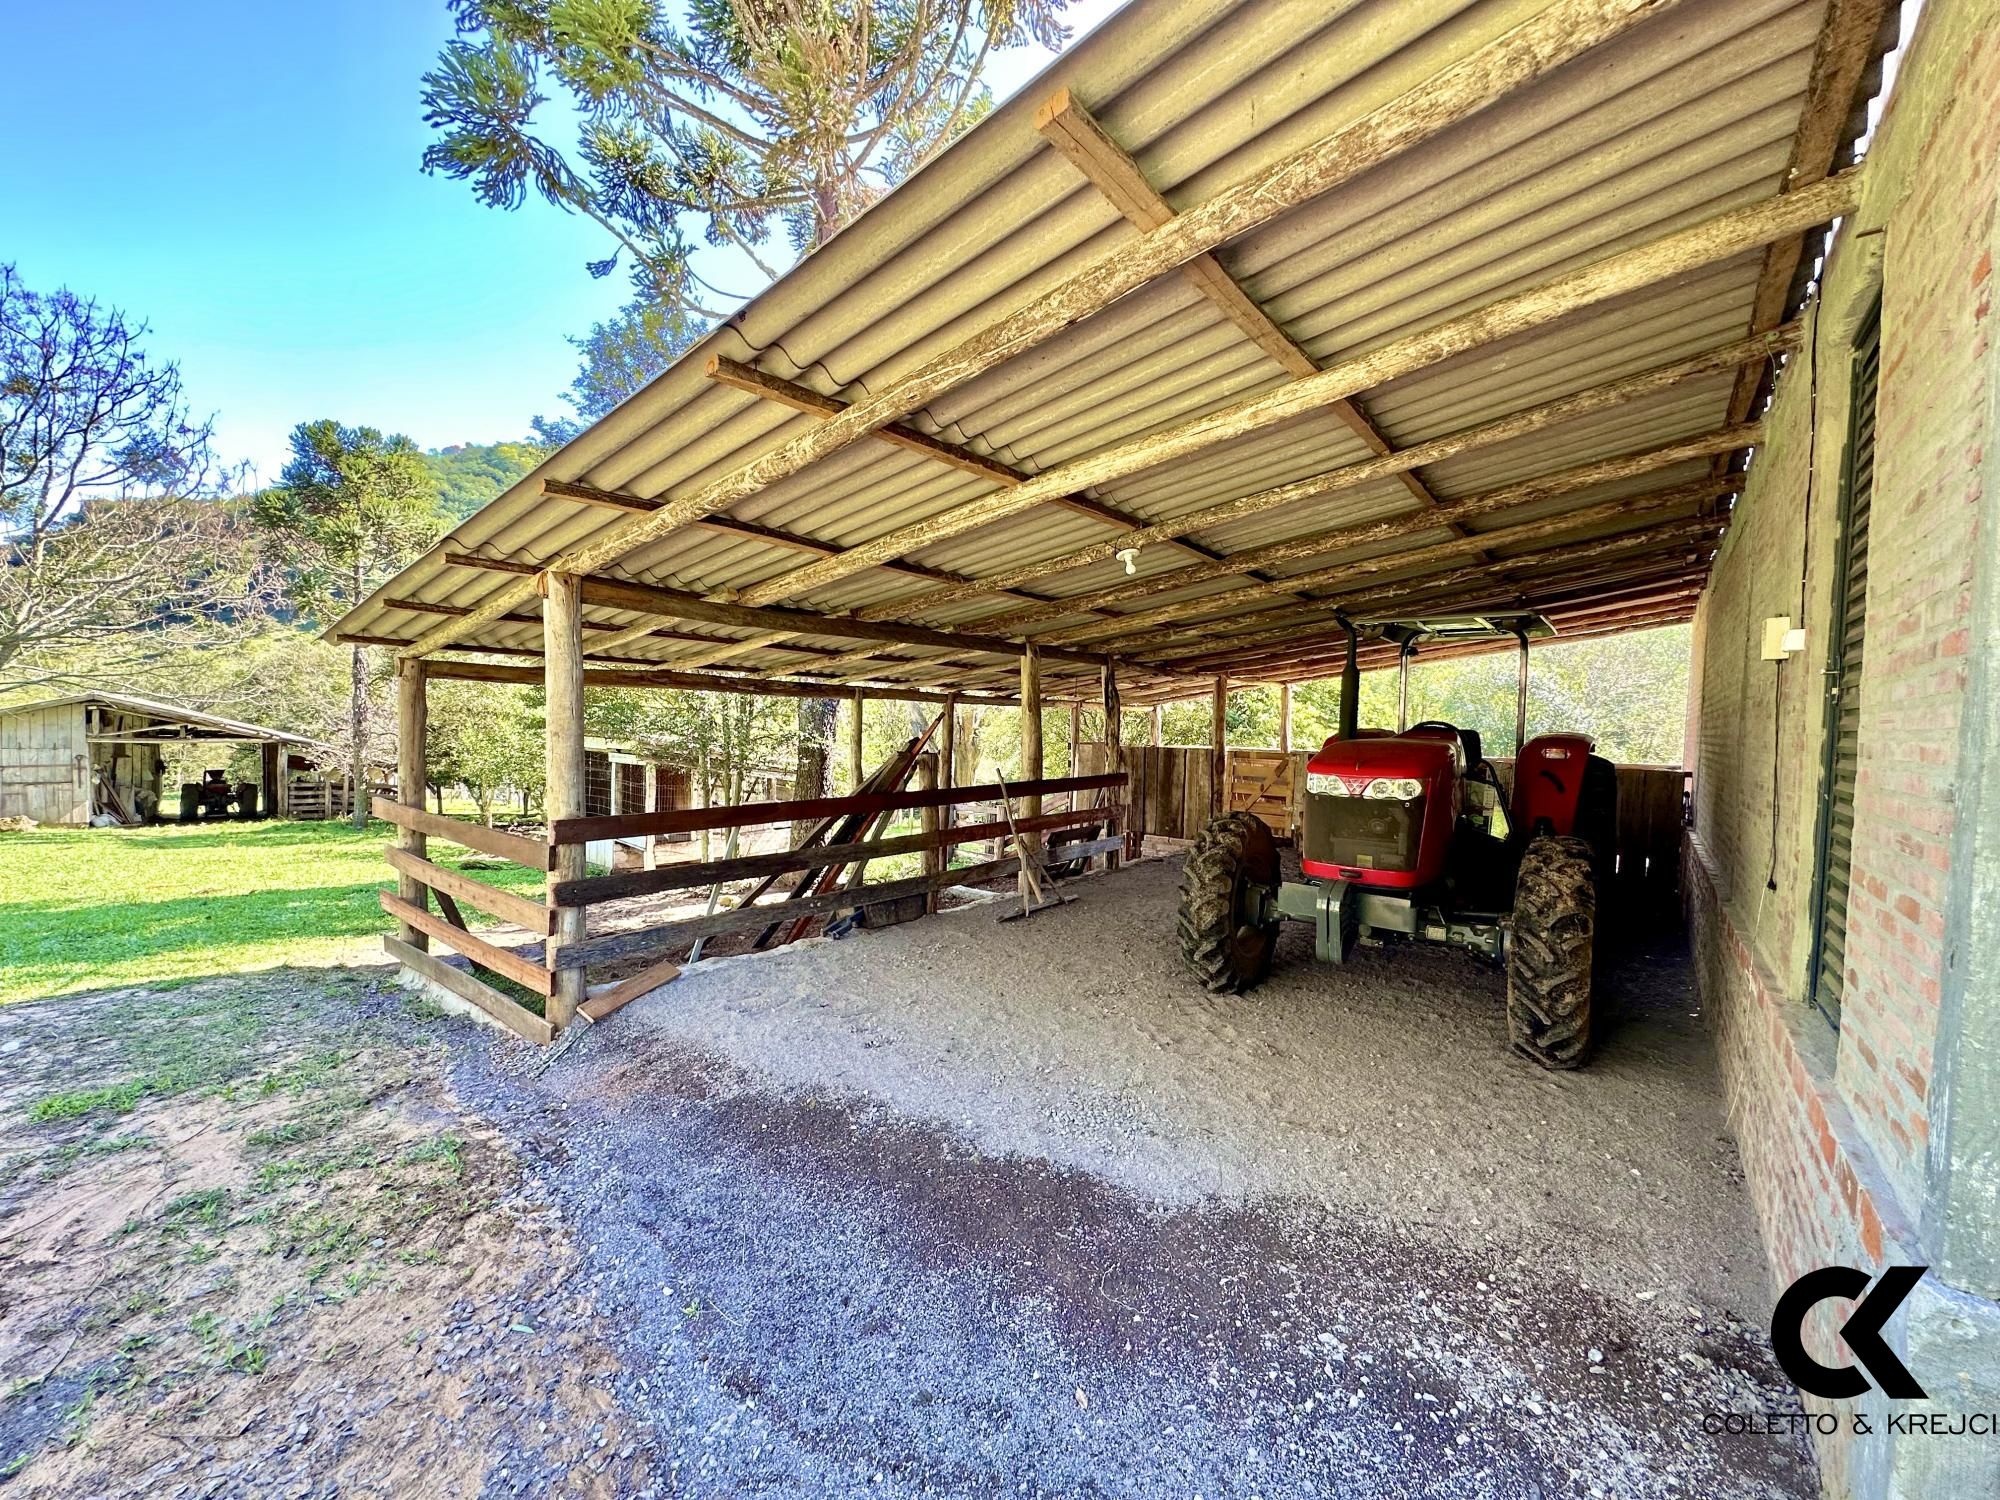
[1363, 834]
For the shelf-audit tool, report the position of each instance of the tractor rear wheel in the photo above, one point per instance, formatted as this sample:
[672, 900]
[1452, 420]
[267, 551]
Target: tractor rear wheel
[1226, 884]
[1549, 952]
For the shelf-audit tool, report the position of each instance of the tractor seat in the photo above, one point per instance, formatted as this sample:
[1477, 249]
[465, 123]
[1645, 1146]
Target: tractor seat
[1468, 740]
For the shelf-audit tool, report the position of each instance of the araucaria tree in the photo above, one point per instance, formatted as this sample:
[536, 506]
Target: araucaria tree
[349, 509]
[756, 126]
[114, 545]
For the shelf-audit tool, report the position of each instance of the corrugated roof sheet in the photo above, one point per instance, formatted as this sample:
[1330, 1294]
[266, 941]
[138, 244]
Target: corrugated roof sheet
[1692, 113]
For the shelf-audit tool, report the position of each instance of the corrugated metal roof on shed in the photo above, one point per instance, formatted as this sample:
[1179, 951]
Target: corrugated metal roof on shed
[1691, 113]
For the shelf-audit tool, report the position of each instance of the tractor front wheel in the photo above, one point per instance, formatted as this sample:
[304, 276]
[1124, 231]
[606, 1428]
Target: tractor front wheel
[1228, 879]
[1549, 952]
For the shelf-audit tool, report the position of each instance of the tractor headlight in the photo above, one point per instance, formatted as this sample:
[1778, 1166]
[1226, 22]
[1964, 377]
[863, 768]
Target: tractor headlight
[1394, 789]
[1325, 784]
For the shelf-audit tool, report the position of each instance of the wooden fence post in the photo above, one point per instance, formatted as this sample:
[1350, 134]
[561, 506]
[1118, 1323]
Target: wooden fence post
[1153, 728]
[1285, 716]
[412, 713]
[562, 667]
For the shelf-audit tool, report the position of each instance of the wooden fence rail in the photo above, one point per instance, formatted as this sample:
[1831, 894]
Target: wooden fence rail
[1089, 832]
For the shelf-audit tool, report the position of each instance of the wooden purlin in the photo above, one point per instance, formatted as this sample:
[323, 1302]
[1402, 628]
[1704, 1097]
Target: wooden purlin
[1558, 34]
[1718, 238]
[1368, 533]
[1104, 635]
[1522, 424]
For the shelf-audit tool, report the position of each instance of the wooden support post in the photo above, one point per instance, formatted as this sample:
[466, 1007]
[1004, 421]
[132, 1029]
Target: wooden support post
[1153, 728]
[1114, 745]
[934, 860]
[948, 751]
[562, 667]
[1031, 747]
[1075, 742]
[1285, 716]
[856, 770]
[273, 761]
[411, 712]
[1218, 750]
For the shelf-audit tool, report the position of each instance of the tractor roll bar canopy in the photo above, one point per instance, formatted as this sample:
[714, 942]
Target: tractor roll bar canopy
[1408, 635]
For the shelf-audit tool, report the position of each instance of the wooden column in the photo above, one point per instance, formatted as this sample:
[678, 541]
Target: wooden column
[1285, 716]
[1031, 746]
[1153, 728]
[855, 769]
[948, 750]
[562, 669]
[1218, 750]
[923, 778]
[273, 755]
[412, 711]
[1114, 746]
[650, 845]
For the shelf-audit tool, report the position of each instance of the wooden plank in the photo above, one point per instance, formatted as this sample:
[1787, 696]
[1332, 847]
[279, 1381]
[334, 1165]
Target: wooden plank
[600, 888]
[412, 719]
[1546, 41]
[517, 909]
[626, 991]
[761, 814]
[533, 853]
[674, 934]
[522, 971]
[503, 1008]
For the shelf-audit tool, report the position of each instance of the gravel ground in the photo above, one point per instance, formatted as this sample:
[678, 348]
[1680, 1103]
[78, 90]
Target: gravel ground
[967, 1208]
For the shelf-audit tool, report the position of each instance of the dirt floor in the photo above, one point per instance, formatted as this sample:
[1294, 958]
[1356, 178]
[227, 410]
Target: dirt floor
[960, 1208]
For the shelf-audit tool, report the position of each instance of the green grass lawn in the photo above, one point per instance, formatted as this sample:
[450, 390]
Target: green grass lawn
[101, 908]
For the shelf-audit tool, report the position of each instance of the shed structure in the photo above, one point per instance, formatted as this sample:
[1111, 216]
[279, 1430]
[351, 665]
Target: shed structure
[65, 761]
[1250, 320]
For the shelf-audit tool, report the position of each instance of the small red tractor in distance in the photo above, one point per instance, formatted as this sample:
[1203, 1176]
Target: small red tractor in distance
[1407, 836]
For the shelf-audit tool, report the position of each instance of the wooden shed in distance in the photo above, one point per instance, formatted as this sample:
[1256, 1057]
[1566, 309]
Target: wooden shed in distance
[68, 760]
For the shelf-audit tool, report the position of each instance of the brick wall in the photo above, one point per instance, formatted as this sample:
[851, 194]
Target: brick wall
[1834, 1129]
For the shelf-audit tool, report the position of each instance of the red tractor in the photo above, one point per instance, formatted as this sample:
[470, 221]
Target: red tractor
[1408, 836]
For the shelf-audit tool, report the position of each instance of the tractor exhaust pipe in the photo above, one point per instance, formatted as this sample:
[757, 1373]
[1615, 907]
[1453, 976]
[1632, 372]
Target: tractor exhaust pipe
[1350, 683]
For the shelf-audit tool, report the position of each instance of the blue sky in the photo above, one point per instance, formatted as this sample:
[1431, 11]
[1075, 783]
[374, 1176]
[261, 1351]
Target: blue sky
[244, 177]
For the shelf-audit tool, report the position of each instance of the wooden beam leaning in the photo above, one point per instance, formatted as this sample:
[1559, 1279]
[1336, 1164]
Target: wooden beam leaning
[1366, 533]
[1075, 132]
[1716, 239]
[1729, 356]
[1558, 34]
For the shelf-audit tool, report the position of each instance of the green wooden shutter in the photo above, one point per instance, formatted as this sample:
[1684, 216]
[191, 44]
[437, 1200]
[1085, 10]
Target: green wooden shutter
[1833, 857]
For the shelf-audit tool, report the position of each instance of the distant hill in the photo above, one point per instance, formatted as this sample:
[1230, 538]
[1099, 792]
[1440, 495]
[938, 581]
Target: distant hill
[472, 473]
